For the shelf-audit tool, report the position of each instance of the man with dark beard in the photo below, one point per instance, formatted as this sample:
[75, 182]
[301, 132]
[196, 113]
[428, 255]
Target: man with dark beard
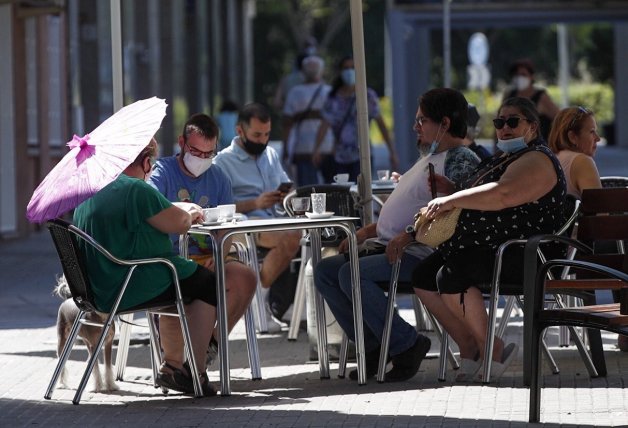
[256, 173]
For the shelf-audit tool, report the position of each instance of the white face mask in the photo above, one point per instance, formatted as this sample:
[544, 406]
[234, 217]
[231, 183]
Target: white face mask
[521, 82]
[196, 165]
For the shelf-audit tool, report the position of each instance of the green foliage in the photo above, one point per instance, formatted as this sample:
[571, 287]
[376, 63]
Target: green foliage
[385, 105]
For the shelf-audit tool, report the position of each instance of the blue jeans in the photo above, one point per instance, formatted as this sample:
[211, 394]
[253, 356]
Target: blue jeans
[332, 277]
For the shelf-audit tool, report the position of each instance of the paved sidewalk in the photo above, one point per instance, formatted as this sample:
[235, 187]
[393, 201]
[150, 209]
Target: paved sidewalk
[291, 393]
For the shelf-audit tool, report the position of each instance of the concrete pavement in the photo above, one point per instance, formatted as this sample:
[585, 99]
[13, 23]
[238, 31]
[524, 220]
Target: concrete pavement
[291, 393]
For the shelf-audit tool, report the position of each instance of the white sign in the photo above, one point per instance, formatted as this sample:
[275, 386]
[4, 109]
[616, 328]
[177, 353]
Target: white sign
[478, 49]
[478, 76]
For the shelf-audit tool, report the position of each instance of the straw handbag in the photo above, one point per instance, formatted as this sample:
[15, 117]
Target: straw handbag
[435, 231]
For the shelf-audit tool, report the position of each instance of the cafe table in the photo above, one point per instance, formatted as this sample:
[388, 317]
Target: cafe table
[220, 232]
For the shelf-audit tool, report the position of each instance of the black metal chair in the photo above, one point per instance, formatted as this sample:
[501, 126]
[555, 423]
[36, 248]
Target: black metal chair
[66, 238]
[513, 291]
[612, 317]
[614, 181]
[604, 219]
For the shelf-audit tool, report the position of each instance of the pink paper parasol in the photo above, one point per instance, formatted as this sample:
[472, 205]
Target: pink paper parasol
[96, 159]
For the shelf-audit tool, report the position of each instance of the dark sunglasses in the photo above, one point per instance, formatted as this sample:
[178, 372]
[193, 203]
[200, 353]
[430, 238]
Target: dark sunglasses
[512, 122]
[581, 111]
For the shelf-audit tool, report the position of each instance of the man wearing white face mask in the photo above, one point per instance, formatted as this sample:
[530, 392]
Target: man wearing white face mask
[522, 74]
[190, 177]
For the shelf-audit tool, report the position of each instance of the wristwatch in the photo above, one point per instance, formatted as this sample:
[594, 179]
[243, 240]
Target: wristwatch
[410, 230]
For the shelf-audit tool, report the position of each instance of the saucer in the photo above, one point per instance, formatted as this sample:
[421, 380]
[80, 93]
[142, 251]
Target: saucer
[315, 216]
[383, 182]
[346, 183]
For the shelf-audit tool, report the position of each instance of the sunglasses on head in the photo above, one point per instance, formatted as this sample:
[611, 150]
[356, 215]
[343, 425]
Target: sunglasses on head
[512, 122]
[581, 111]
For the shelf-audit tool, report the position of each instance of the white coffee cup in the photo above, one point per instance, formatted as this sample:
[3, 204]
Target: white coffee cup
[211, 214]
[341, 178]
[383, 174]
[318, 202]
[227, 211]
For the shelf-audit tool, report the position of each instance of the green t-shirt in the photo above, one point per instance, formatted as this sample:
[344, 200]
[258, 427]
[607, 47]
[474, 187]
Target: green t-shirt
[116, 218]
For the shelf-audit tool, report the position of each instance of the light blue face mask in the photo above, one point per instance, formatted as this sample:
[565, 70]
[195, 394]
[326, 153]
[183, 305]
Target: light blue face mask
[512, 145]
[348, 76]
[435, 142]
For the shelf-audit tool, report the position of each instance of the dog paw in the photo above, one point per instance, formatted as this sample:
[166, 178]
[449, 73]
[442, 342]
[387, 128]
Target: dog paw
[112, 386]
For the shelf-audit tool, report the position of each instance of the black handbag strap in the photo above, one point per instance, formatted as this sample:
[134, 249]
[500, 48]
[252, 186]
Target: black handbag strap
[306, 114]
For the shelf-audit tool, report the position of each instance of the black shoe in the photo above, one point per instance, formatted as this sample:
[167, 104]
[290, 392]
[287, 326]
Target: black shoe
[406, 364]
[372, 364]
[281, 293]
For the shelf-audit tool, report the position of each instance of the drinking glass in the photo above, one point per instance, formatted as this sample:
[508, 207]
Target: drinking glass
[300, 206]
[318, 202]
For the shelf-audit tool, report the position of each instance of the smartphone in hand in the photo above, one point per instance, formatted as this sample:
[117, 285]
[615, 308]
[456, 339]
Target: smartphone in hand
[285, 187]
[432, 179]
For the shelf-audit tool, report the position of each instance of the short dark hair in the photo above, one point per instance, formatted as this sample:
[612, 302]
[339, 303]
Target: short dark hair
[201, 124]
[521, 63]
[439, 103]
[254, 110]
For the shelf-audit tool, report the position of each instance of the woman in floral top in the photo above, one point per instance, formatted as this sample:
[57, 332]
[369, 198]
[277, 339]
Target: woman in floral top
[339, 113]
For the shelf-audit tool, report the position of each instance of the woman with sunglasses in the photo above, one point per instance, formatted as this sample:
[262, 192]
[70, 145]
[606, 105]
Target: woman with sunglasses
[574, 139]
[517, 193]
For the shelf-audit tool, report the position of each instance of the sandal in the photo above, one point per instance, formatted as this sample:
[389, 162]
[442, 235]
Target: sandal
[174, 379]
[206, 387]
[499, 367]
[468, 369]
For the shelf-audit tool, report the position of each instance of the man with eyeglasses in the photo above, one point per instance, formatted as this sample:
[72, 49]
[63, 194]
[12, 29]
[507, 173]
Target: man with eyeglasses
[190, 177]
[256, 174]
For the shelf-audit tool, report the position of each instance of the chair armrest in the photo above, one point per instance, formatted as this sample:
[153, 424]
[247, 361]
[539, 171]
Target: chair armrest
[618, 280]
[132, 264]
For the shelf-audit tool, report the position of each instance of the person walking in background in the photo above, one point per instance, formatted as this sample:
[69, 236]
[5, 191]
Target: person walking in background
[339, 114]
[522, 74]
[227, 119]
[289, 81]
[574, 139]
[301, 119]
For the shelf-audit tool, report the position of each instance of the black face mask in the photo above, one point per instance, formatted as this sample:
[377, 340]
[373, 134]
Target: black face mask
[254, 149]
